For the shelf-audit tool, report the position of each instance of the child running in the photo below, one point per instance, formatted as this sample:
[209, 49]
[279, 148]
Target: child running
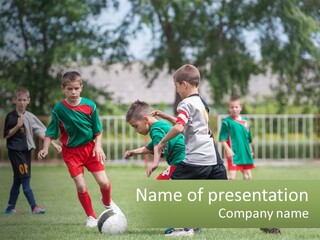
[81, 134]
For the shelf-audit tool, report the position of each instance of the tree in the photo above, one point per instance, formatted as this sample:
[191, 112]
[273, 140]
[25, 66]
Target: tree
[40, 39]
[290, 41]
[212, 35]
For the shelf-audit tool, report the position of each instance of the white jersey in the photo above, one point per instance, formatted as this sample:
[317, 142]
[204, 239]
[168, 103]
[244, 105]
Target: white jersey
[194, 117]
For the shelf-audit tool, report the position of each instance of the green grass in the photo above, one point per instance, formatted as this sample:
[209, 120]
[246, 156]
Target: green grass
[65, 219]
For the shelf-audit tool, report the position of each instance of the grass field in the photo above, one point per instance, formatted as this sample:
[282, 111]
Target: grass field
[65, 219]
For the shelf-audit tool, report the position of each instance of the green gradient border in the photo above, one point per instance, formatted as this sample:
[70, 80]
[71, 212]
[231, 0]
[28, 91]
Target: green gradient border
[182, 212]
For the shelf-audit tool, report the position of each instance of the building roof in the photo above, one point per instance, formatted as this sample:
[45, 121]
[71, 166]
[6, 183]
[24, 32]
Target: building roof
[128, 84]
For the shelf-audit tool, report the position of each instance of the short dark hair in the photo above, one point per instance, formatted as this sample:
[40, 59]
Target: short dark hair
[137, 110]
[234, 99]
[188, 73]
[71, 76]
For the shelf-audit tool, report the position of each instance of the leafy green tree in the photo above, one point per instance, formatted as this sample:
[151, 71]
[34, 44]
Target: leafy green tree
[212, 35]
[41, 39]
[290, 46]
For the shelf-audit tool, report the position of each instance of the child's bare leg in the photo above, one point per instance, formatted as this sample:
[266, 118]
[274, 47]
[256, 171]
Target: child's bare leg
[83, 195]
[247, 174]
[105, 186]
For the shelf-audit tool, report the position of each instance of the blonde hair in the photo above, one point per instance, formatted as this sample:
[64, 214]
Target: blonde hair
[21, 90]
[188, 73]
[71, 76]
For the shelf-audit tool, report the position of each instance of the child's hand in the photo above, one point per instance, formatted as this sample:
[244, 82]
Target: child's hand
[229, 153]
[20, 120]
[161, 147]
[128, 153]
[157, 113]
[56, 147]
[98, 151]
[151, 169]
[42, 154]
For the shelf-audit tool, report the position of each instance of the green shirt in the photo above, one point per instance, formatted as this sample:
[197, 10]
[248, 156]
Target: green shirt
[238, 136]
[175, 148]
[78, 124]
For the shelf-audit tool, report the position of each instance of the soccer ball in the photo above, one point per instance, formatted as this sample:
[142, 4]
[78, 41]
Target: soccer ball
[112, 222]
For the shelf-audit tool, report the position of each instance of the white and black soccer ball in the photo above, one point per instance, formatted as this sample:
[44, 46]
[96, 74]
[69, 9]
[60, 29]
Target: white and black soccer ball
[112, 222]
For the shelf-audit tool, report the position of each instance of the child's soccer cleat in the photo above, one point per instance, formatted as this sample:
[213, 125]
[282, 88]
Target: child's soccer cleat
[38, 210]
[112, 206]
[12, 211]
[170, 230]
[197, 230]
[271, 230]
[91, 222]
[187, 232]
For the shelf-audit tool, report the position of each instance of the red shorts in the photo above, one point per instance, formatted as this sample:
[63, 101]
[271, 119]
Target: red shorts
[78, 157]
[166, 174]
[232, 167]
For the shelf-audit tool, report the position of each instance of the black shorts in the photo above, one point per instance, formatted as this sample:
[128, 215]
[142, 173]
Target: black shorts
[190, 171]
[20, 162]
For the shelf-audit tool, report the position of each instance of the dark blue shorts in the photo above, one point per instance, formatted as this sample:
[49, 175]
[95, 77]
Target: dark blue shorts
[20, 162]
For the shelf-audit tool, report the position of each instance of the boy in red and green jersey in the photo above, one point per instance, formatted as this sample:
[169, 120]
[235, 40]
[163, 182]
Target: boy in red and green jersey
[237, 134]
[81, 136]
[236, 139]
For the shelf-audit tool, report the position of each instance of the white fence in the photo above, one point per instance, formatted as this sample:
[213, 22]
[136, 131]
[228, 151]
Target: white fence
[283, 137]
[119, 136]
[275, 137]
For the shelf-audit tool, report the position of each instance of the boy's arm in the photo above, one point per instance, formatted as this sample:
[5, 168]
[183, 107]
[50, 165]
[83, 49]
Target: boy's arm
[44, 152]
[156, 160]
[228, 150]
[53, 143]
[137, 151]
[251, 149]
[56, 146]
[250, 142]
[13, 130]
[175, 130]
[98, 148]
[163, 115]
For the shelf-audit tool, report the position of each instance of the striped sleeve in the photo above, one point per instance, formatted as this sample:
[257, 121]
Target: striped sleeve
[182, 118]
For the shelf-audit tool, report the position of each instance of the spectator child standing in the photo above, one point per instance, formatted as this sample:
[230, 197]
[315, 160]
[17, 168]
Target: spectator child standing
[81, 134]
[138, 116]
[236, 140]
[19, 127]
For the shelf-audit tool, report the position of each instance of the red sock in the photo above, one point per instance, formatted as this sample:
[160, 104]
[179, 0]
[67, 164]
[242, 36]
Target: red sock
[106, 195]
[85, 201]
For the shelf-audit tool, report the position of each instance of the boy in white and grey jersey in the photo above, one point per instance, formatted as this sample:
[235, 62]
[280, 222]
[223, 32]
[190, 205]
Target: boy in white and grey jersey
[199, 144]
[201, 160]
